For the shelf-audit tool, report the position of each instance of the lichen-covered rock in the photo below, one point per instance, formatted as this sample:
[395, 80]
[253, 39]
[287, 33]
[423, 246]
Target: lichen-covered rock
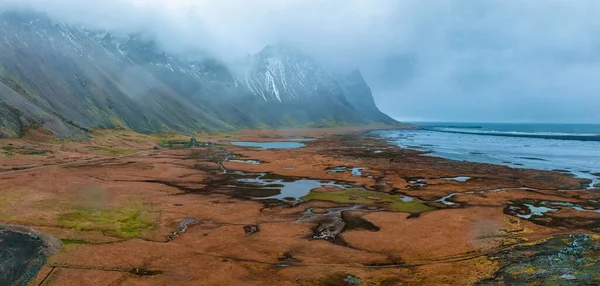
[251, 228]
[566, 260]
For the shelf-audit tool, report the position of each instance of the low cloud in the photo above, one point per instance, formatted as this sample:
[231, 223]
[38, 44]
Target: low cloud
[489, 60]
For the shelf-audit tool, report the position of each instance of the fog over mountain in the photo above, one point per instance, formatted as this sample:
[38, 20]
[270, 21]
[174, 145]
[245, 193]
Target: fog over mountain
[489, 60]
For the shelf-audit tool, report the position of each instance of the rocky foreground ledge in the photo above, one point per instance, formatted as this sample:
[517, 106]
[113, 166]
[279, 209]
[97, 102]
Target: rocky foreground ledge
[23, 253]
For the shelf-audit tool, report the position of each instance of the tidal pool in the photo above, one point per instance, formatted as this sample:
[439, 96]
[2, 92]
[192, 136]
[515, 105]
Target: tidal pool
[270, 145]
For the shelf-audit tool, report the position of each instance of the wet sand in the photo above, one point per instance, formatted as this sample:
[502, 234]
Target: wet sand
[132, 214]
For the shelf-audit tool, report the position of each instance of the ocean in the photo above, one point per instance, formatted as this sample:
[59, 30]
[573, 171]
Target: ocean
[569, 147]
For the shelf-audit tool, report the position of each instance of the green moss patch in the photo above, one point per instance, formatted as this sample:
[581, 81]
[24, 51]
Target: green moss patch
[110, 150]
[118, 151]
[354, 196]
[73, 241]
[123, 222]
[8, 198]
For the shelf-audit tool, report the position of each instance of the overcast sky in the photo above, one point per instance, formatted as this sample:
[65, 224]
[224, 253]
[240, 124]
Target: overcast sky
[469, 60]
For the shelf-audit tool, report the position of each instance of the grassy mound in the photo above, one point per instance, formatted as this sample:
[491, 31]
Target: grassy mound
[124, 222]
[354, 196]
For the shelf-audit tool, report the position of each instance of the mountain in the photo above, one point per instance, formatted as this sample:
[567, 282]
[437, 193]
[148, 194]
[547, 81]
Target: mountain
[70, 79]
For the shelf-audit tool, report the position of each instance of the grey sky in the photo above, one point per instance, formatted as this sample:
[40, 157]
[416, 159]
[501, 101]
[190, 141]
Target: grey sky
[484, 60]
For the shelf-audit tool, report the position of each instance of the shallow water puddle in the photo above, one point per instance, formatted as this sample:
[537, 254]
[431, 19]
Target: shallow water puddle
[571, 205]
[445, 200]
[253, 162]
[270, 186]
[416, 183]
[270, 145]
[535, 211]
[538, 213]
[355, 171]
[528, 208]
[183, 226]
[291, 190]
[338, 170]
[458, 179]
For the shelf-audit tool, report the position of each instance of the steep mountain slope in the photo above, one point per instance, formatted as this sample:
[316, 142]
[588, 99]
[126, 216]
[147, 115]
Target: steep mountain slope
[69, 79]
[358, 93]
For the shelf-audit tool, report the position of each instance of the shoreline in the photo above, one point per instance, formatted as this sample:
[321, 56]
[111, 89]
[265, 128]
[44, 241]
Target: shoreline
[589, 180]
[575, 137]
